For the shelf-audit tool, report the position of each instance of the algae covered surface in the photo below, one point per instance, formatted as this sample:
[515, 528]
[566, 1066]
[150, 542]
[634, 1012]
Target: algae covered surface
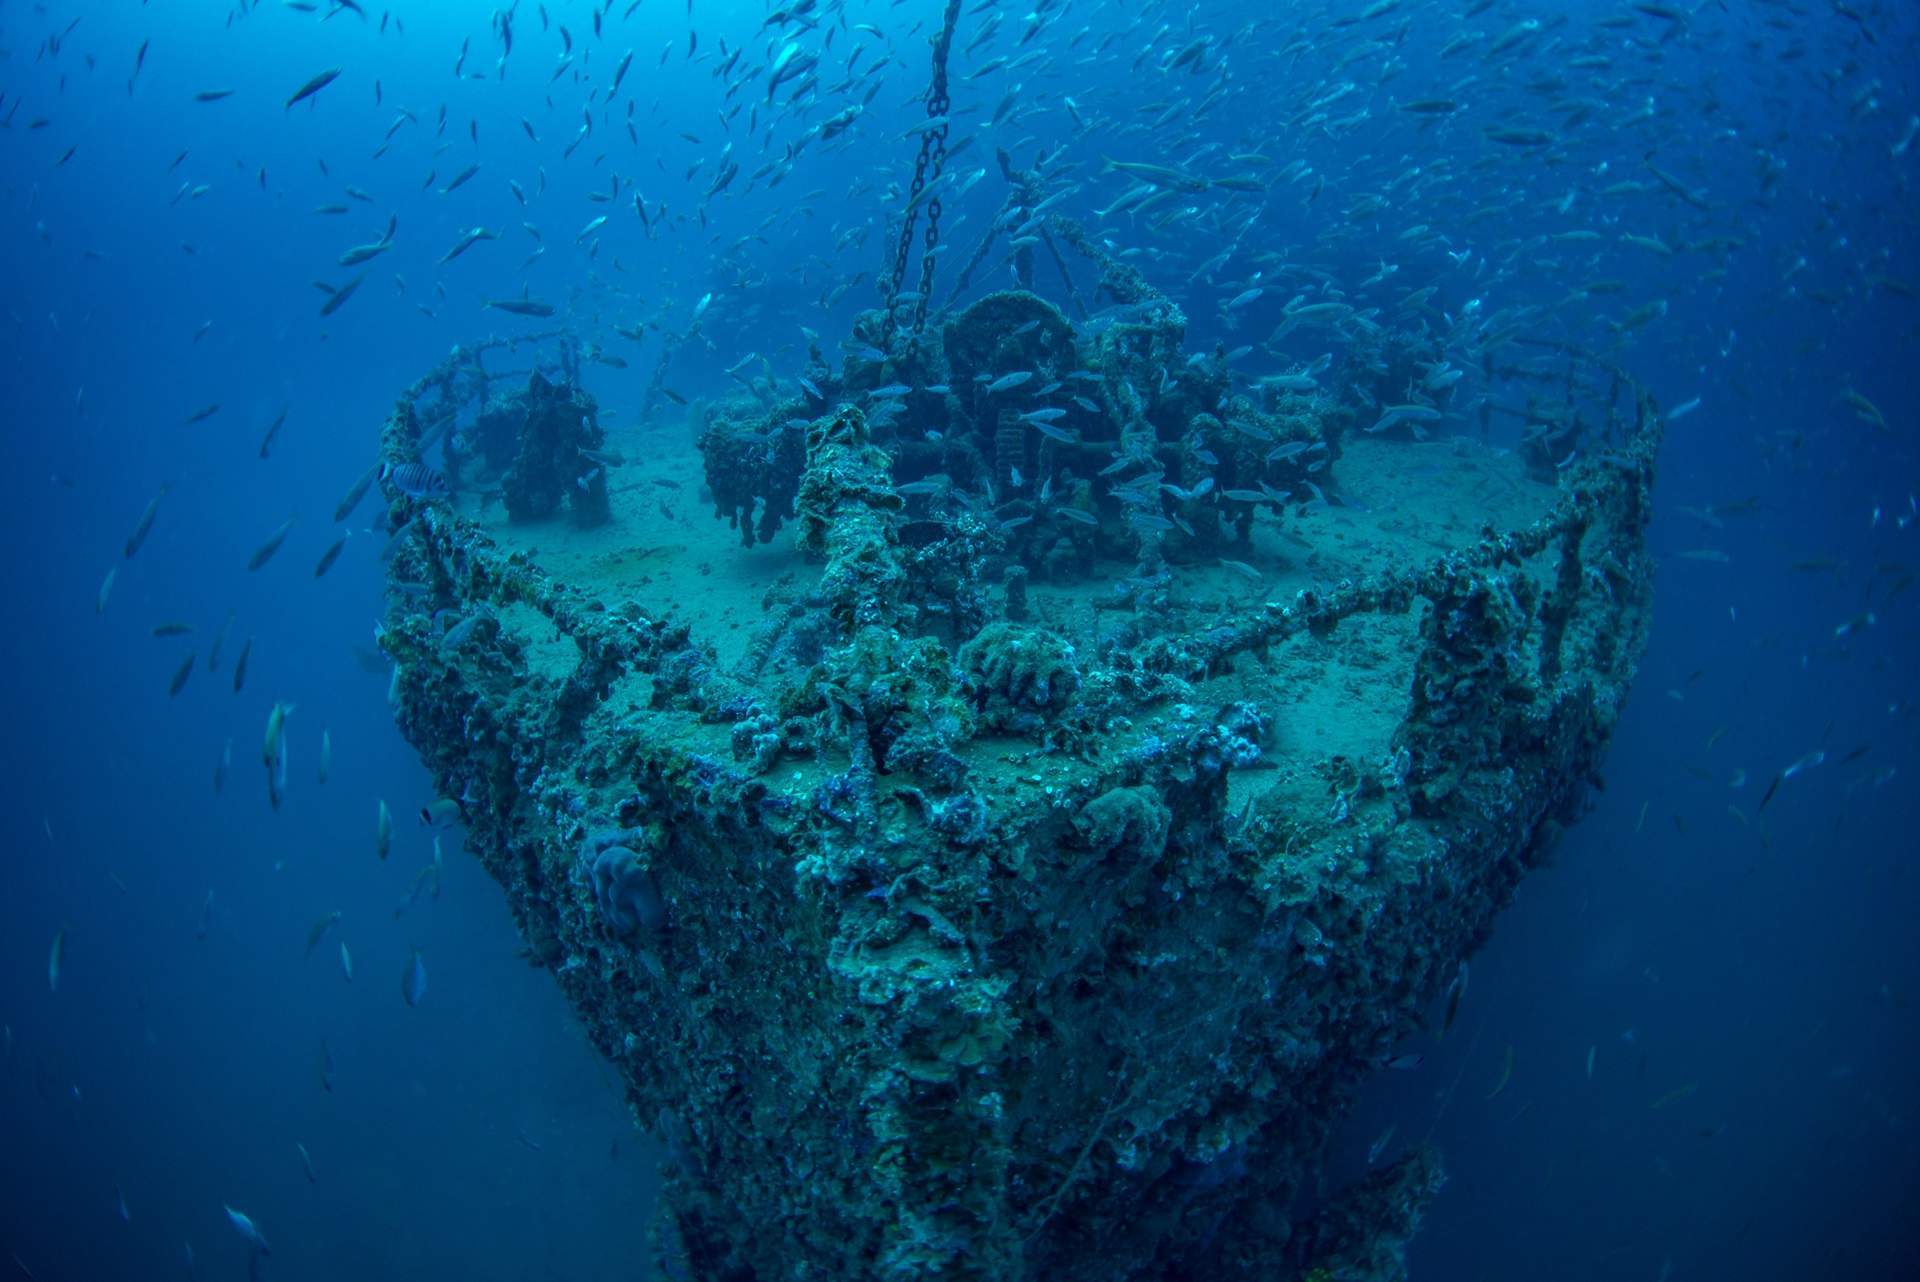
[662, 549]
[993, 841]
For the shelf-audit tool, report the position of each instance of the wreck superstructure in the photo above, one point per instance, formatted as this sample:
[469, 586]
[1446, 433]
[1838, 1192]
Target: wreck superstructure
[996, 846]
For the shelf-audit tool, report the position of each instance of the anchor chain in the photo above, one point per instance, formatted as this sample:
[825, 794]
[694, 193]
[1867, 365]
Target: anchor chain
[926, 174]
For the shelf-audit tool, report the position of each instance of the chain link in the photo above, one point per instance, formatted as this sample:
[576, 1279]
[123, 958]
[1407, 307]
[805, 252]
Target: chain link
[926, 173]
[905, 246]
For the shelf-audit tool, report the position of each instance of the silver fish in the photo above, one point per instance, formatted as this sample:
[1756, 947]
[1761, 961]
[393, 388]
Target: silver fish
[320, 929]
[246, 1228]
[331, 555]
[413, 982]
[264, 553]
[141, 530]
[344, 508]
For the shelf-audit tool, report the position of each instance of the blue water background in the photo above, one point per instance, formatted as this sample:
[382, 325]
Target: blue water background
[1776, 974]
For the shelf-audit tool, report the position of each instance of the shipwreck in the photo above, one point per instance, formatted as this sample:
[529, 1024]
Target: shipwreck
[993, 794]
[1000, 851]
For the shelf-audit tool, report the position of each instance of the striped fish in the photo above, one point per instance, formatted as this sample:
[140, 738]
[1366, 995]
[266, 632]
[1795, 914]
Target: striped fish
[416, 480]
